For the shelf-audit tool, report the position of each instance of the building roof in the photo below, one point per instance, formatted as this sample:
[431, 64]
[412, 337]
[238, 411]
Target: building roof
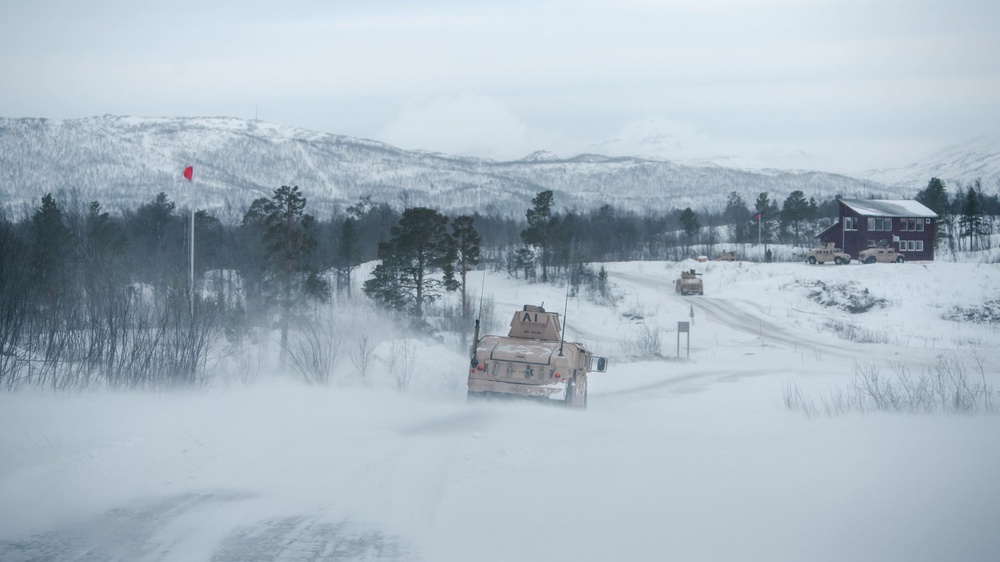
[835, 227]
[889, 208]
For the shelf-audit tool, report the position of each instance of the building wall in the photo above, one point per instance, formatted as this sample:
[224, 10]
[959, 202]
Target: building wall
[855, 232]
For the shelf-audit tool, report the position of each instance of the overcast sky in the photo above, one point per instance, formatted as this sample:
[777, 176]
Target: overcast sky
[839, 85]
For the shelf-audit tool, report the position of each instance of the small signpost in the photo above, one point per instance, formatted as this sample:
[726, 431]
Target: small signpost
[686, 328]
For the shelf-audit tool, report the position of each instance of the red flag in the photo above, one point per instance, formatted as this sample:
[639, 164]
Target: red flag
[757, 216]
[188, 173]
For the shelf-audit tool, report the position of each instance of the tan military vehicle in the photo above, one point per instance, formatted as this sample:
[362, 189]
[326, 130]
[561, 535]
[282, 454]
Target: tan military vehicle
[689, 283]
[827, 252]
[881, 253]
[727, 256]
[532, 361]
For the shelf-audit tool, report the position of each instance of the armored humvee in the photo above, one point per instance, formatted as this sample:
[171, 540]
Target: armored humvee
[881, 253]
[689, 283]
[532, 361]
[827, 252]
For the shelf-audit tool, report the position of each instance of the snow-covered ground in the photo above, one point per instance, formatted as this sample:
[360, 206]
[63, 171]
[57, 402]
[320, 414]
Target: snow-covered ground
[674, 459]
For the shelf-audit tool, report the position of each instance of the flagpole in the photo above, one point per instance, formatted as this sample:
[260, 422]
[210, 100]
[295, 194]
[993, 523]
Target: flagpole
[192, 248]
[189, 176]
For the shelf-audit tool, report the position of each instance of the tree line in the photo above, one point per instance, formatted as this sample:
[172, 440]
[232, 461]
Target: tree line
[88, 296]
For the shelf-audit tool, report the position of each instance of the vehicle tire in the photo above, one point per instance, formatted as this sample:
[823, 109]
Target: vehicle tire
[575, 396]
[812, 260]
[899, 259]
[838, 261]
[870, 259]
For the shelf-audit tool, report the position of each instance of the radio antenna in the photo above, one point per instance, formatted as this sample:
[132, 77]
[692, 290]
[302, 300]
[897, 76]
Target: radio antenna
[482, 291]
[569, 281]
[475, 335]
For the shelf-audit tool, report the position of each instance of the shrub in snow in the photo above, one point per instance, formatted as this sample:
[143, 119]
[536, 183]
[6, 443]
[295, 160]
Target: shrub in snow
[847, 296]
[646, 342]
[946, 388]
[986, 313]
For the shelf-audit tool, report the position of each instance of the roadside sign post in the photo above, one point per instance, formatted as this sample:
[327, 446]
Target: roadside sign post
[686, 328]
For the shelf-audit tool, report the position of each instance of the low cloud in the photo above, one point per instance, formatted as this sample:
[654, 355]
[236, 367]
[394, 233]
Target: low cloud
[465, 125]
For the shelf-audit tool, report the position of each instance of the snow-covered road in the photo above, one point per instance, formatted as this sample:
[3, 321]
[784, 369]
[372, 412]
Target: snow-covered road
[688, 459]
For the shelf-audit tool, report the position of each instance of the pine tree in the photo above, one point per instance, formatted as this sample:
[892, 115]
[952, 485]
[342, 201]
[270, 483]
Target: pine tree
[347, 254]
[540, 228]
[52, 251]
[467, 244]
[768, 212]
[418, 246]
[157, 241]
[793, 212]
[287, 242]
[738, 217]
[935, 198]
[971, 220]
[690, 225]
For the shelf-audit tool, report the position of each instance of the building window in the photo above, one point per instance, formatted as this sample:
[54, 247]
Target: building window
[850, 223]
[911, 225]
[879, 224]
[871, 243]
[920, 245]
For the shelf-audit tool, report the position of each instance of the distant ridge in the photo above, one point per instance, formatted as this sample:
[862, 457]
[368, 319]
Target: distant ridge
[960, 163]
[122, 161]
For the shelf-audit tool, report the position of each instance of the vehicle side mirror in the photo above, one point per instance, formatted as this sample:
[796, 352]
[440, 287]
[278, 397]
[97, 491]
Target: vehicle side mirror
[602, 364]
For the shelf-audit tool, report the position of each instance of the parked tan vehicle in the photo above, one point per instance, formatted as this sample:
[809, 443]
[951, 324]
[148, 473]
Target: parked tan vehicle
[727, 256]
[532, 361]
[689, 283]
[827, 252]
[882, 254]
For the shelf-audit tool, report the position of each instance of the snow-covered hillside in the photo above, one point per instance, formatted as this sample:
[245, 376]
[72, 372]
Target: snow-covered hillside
[124, 160]
[674, 459]
[962, 163]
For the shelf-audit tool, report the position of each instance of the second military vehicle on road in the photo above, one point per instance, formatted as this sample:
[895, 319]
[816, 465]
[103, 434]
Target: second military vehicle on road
[689, 283]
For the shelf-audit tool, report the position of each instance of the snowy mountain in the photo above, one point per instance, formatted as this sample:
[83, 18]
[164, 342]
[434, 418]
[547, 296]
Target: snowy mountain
[124, 160]
[662, 139]
[960, 163]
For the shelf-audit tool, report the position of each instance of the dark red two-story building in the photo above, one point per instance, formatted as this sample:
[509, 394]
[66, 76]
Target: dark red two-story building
[906, 226]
